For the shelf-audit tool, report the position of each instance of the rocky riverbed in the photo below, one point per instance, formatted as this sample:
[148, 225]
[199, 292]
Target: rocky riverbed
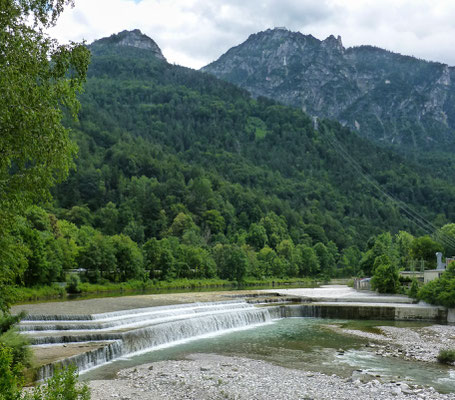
[420, 344]
[209, 376]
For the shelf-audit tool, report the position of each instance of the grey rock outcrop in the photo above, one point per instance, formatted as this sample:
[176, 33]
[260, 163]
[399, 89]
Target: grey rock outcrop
[387, 97]
[134, 38]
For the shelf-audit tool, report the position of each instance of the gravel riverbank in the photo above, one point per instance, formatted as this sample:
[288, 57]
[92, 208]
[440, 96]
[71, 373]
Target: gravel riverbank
[420, 344]
[209, 376]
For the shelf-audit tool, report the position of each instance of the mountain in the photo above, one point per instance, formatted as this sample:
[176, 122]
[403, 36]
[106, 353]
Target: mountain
[387, 97]
[182, 175]
[199, 144]
[128, 39]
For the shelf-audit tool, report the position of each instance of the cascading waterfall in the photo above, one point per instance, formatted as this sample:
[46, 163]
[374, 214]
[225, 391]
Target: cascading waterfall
[111, 335]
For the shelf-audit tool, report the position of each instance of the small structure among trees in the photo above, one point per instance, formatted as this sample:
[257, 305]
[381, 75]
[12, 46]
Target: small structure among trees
[432, 274]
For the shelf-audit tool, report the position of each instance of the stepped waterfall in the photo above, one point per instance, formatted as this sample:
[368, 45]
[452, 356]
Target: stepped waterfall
[105, 337]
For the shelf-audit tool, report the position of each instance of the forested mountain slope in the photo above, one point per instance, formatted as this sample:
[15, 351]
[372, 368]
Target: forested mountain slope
[157, 141]
[389, 98]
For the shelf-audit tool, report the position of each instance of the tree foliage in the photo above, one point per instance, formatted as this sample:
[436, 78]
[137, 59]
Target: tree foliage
[180, 175]
[37, 77]
[385, 278]
[440, 291]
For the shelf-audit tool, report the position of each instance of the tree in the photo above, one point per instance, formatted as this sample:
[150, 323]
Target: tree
[286, 252]
[129, 259]
[403, 243]
[182, 222]
[425, 248]
[378, 246]
[159, 258]
[307, 261]
[440, 291]
[10, 375]
[326, 259]
[97, 256]
[350, 260]
[448, 234]
[37, 76]
[386, 278]
[231, 262]
[63, 385]
[275, 227]
[107, 219]
[257, 236]
[199, 261]
[214, 221]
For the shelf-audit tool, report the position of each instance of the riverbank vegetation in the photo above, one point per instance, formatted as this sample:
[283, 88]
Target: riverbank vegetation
[446, 356]
[133, 287]
[441, 291]
[38, 76]
[387, 255]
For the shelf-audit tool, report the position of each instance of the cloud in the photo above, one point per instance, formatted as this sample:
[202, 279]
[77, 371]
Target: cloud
[196, 32]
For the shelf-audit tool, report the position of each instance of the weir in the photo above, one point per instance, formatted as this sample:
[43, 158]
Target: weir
[123, 333]
[94, 339]
[362, 311]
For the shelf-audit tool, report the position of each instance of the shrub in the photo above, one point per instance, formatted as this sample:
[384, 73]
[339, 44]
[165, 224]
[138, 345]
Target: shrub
[73, 284]
[446, 356]
[414, 289]
[10, 375]
[385, 279]
[16, 344]
[440, 291]
[62, 386]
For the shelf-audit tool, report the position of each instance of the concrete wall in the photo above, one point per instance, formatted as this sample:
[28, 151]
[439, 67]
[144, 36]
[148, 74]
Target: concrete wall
[431, 274]
[367, 312]
[451, 315]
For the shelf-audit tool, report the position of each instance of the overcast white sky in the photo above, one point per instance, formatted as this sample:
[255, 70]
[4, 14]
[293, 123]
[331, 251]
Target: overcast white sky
[195, 32]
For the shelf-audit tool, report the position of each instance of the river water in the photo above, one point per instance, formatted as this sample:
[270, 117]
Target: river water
[301, 343]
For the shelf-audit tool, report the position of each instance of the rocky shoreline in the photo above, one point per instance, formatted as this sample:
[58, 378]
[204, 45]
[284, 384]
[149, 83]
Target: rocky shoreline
[416, 344]
[210, 376]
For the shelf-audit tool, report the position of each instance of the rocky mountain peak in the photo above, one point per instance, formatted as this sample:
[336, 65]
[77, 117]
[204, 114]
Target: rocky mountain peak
[134, 38]
[333, 43]
[391, 98]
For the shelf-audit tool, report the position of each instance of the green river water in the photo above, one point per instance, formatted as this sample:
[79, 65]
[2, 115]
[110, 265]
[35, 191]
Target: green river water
[302, 343]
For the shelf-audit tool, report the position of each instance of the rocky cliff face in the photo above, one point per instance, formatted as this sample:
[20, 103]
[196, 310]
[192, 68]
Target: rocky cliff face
[390, 98]
[134, 38]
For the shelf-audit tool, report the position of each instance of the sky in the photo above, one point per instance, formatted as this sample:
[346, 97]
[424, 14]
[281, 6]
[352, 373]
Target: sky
[194, 33]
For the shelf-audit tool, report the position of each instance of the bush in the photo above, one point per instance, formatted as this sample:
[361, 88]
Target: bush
[414, 289]
[385, 279]
[62, 386]
[16, 344]
[440, 291]
[10, 375]
[446, 356]
[73, 284]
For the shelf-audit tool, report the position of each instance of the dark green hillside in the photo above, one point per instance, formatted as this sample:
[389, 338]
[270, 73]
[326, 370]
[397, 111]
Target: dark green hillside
[208, 182]
[171, 125]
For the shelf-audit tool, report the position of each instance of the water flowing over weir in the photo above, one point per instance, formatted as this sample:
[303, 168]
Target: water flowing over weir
[105, 337]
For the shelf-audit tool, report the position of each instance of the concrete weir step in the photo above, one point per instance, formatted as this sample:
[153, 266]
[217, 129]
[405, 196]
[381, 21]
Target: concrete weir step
[384, 312]
[343, 294]
[339, 301]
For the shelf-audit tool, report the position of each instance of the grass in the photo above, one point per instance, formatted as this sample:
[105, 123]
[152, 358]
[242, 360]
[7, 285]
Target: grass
[446, 356]
[24, 294]
[56, 292]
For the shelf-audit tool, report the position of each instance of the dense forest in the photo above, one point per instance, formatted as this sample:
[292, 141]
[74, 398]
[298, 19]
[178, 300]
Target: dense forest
[181, 175]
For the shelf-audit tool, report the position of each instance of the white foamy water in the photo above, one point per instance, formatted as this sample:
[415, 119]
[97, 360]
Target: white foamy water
[123, 333]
